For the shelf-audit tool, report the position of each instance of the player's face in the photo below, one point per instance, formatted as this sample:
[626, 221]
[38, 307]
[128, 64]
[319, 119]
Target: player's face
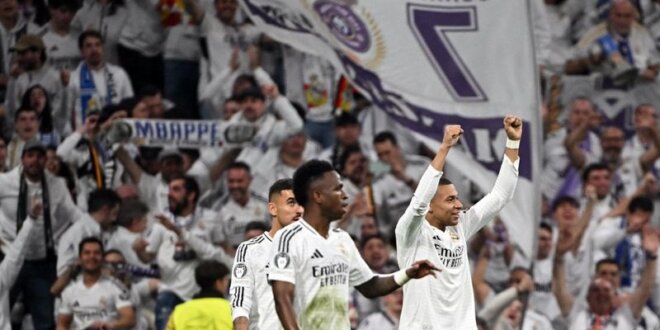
[170, 167]
[91, 257]
[355, 167]
[253, 108]
[637, 220]
[387, 151]
[27, 125]
[445, 205]
[287, 210]
[110, 215]
[226, 9]
[581, 110]
[610, 273]
[333, 198]
[612, 141]
[348, 134]
[112, 260]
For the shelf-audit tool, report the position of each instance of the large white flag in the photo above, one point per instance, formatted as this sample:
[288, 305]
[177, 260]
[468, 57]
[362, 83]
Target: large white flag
[431, 63]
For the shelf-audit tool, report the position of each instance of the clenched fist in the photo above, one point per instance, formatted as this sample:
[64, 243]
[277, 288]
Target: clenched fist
[513, 127]
[452, 134]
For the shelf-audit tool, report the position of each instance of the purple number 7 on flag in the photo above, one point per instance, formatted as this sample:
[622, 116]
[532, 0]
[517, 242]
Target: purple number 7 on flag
[430, 25]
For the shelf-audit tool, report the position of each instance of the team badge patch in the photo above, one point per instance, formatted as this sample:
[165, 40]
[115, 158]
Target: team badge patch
[282, 260]
[240, 270]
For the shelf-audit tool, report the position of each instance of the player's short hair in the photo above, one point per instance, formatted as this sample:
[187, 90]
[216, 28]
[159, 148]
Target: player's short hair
[444, 182]
[190, 184]
[564, 199]
[307, 174]
[239, 166]
[256, 225]
[131, 210]
[100, 198]
[593, 167]
[89, 34]
[209, 271]
[385, 136]
[279, 186]
[607, 261]
[641, 203]
[89, 240]
[367, 239]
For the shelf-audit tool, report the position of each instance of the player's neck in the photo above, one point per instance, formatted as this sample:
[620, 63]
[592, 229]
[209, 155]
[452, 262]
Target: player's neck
[274, 228]
[315, 219]
[435, 223]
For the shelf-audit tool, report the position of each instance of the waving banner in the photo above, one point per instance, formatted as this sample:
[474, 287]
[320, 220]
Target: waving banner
[430, 63]
[180, 133]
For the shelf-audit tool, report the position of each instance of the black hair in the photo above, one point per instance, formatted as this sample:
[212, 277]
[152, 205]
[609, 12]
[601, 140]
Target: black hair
[89, 34]
[99, 198]
[256, 225]
[239, 165]
[89, 240]
[190, 152]
[131, 210]
[641, 203]
[593, 167]
[71, 5]
[546, 226]
[444, 182]
[46, 116]
[190, 184]
[385, 136]
[108, 111]
[346, 119]
[208, 272]
[279, 186]
[564, 199]
[307, 174]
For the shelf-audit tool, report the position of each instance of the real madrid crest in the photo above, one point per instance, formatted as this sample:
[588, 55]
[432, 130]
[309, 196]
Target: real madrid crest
[240, 270]
[354, 28]
[281, 260]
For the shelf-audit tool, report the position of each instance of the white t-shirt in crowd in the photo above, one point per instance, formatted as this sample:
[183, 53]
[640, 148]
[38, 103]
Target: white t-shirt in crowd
[445, 301]
[378, 321]
[236, 217]
[62, 50]
[322, 270]
[251, 294]
[99, 302]
[121, 88]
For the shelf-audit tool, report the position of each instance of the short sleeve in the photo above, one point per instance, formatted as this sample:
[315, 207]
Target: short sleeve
[283, 260]
[360, 271]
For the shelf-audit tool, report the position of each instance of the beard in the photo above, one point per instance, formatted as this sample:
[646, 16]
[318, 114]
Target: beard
[176, 207]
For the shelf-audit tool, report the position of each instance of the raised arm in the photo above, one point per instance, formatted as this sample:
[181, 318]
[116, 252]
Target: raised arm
[572, 144]
[409, 224]
[132, 168]
[11, 265]
[559, 288]
[481, 288]
[505, 185]
[645, 287]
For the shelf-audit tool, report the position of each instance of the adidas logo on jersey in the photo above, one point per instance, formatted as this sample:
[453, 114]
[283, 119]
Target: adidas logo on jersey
[317, 255]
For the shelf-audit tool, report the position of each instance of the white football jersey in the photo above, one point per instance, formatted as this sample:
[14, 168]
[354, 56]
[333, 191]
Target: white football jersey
[445, 301]
[251, 295]
[99, 302]
[322, 270]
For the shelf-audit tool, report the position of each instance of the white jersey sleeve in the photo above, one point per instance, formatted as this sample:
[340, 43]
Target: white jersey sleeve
[284, 257]
[242, 282]
[410, 223]
[155, 238]
[491, 204]
[360, 271]
[13, 261]
[122, 296]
